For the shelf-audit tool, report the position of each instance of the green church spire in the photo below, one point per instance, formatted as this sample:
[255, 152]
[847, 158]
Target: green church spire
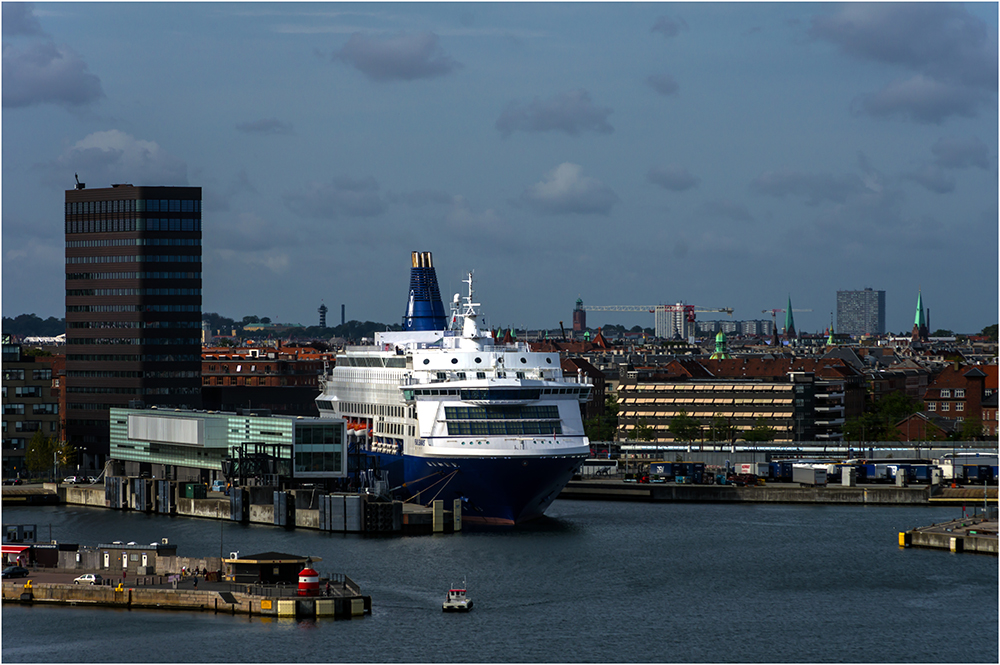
[789, 320]
[919, 320]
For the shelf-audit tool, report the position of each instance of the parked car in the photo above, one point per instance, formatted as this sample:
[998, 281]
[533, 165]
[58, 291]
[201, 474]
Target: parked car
[89, 578]
[72, 480]
[14, 571]
[92, 480]
[13, 481]
[219, 486]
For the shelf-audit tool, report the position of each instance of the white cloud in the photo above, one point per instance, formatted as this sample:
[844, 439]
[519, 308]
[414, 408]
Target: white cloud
[109, 157]
[566, 190]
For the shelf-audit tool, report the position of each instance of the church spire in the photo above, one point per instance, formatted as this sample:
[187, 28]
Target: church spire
[919, 333]
[789, 321]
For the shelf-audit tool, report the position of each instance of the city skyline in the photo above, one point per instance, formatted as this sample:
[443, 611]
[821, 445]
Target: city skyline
[720, 155]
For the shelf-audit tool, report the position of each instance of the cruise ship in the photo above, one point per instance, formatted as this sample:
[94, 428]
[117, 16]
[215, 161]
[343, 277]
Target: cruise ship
[444, 411]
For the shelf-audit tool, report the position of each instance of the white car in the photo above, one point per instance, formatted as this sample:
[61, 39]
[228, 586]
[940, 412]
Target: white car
[89, 578]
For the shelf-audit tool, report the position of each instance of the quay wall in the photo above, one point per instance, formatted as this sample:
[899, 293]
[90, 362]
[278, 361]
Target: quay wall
[207, 508]
[261, 514]
[613, 490]
[233, 602]
[82, 496]
[953, 542]
[307, 519]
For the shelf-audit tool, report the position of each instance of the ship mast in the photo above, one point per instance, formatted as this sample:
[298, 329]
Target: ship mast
[469, 328]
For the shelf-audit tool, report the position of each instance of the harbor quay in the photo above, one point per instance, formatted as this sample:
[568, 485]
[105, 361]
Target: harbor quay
[164, 587]
[973, 533]
[874, 494]
[296, 508]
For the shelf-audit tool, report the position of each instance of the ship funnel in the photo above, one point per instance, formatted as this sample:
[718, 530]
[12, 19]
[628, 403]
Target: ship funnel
[424, 311]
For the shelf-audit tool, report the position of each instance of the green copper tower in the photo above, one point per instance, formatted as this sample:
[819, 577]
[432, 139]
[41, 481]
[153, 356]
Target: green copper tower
[789, 321]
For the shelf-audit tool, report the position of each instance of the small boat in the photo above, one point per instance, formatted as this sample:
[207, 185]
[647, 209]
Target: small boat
[456, 601]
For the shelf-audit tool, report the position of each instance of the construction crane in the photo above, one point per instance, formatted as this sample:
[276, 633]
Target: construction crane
[669, 320]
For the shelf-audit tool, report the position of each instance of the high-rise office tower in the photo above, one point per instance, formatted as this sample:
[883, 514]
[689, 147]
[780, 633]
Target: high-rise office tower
[133, 305]
[861, 312]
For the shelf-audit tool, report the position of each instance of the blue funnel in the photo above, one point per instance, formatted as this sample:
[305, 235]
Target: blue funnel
[424, 311]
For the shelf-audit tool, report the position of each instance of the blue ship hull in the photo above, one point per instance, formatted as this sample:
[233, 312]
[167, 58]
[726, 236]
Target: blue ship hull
[493, 490]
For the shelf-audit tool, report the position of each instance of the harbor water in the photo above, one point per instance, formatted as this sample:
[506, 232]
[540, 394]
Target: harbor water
[590, 582]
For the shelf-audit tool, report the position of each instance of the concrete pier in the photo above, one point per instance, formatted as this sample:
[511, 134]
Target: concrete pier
[976, 533]
[616, 490]
[56, 587]
[344, 513]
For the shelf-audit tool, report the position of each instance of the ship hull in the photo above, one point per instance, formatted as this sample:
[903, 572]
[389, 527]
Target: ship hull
[502, 491]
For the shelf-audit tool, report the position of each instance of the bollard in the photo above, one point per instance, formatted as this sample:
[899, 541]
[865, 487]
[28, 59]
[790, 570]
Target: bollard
[904, 539]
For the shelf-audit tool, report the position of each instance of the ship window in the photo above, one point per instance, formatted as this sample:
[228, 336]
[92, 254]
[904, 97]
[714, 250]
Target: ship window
[548, 360]
[479, 360]
[460, 375]
[480, 375]
[523, 360]
[427, 361]
[454, 361]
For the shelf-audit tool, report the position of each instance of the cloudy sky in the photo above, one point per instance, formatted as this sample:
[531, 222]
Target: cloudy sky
[723, 155]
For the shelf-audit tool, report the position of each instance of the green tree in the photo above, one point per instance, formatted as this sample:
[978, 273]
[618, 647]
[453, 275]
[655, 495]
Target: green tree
[761, 431]
[643, 431]
[990, 332]
[878, 422]
[39, 456]
[722, 429]
[604, 426]
[684, 428]
[942, 332]
[971, 430]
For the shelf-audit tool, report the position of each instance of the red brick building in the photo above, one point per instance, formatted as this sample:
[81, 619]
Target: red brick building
[283, 379]
[957, 394]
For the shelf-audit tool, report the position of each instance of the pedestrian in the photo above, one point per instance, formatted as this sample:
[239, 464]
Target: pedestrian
[196, 581]
[123, 574]
[328, 587]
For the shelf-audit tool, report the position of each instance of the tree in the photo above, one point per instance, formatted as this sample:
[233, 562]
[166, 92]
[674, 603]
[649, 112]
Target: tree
[684, 428]
[39, 456]
[265, 319]
[942, 332]
[990, 332]
[722, 429]
[971, 430]
[761, 431]
[604, 426]
[878, 422]
[643, 431]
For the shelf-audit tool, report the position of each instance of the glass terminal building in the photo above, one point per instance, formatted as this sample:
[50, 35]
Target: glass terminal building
[179, 442]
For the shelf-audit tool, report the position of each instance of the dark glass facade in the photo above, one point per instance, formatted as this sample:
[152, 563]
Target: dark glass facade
[133, 305]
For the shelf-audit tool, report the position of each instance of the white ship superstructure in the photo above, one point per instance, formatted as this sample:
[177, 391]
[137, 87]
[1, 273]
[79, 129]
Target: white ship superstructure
[454, 414]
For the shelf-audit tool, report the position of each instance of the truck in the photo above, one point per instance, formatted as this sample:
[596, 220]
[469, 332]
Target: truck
[805, 474]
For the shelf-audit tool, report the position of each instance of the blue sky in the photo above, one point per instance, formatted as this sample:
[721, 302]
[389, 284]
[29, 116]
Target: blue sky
[723, 155]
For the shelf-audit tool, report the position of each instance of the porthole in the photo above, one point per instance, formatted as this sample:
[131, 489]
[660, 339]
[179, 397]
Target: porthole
[524, 361]
[454, 361]
[548, 360]
[427, 361]
[479, 360]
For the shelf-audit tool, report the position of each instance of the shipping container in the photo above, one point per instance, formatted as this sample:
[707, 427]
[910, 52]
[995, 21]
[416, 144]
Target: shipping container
[808, 475]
